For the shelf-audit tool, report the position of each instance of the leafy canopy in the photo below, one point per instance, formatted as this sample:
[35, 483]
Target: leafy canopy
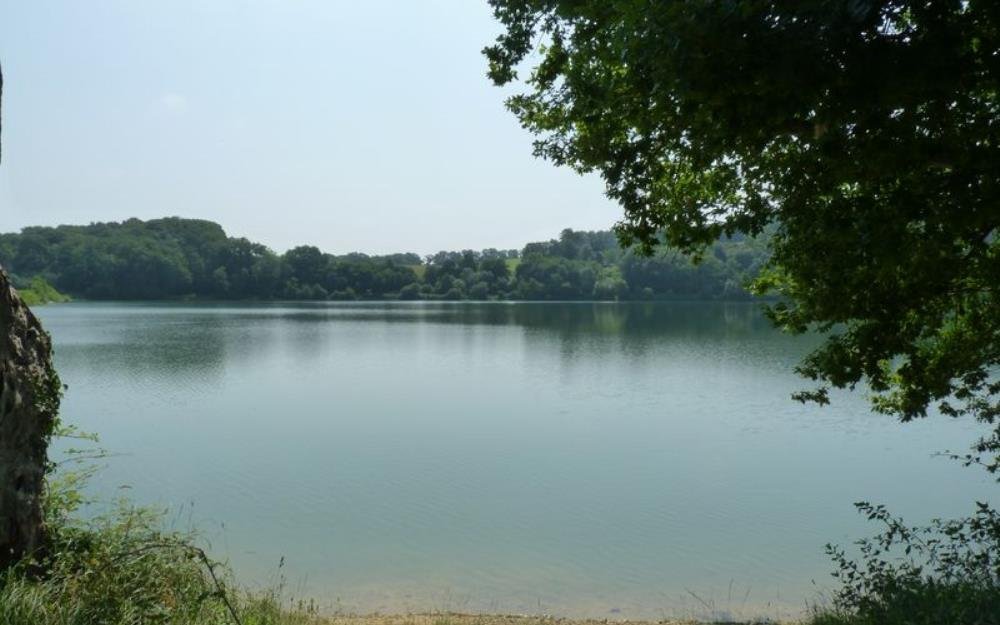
[864, 132]
[180, 258]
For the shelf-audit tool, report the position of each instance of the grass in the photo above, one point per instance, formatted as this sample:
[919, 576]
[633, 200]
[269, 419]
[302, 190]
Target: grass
[418, 270]
[124, 570]
[38, 291]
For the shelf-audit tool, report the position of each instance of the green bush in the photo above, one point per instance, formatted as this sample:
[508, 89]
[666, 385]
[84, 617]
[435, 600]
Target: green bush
[946, 573]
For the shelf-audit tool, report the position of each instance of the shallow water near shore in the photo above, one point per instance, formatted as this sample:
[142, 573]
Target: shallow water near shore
[591, 460]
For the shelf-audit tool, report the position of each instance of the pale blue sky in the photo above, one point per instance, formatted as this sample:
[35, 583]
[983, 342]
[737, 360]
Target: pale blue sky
[351, 125]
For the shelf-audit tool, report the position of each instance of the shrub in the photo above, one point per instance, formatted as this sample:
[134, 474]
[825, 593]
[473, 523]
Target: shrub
[947, 572]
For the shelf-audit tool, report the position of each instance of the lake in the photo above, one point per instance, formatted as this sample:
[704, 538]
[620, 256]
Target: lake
[606, 460]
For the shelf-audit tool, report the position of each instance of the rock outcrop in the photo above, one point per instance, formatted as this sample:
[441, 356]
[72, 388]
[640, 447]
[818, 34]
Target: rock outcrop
[29, 402]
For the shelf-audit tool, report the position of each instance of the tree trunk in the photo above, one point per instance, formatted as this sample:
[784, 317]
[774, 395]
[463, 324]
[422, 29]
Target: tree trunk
[29, 401]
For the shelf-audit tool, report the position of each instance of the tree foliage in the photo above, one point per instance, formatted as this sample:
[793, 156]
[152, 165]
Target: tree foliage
[864, 132]
[178, 258]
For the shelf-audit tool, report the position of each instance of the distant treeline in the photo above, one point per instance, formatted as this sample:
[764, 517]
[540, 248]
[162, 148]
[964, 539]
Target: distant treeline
[176, 258]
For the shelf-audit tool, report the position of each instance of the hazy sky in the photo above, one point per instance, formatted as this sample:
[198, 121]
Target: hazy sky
[351, 125]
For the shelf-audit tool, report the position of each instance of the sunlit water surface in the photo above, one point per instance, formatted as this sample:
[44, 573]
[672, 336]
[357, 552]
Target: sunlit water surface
[619, 461]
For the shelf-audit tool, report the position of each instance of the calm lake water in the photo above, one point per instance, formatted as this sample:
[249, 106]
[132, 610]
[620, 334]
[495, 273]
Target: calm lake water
[639, 460]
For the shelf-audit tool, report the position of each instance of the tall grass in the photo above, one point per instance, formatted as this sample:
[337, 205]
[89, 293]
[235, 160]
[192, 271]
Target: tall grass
[123, 568]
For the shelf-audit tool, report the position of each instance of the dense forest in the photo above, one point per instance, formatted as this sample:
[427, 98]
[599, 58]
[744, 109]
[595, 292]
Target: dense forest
[181, 258]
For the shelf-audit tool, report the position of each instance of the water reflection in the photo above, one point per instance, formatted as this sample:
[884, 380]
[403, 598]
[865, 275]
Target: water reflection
[569, 458]
[196, 341]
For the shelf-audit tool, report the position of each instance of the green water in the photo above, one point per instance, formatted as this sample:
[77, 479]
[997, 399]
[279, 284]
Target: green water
[603, 460]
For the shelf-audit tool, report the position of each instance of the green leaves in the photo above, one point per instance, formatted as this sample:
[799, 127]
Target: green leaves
[862, 136]
[943, 572]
